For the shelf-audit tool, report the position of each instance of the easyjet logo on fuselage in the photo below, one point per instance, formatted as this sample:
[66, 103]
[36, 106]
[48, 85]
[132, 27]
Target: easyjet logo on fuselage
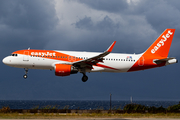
[43, 53]
[161, 42]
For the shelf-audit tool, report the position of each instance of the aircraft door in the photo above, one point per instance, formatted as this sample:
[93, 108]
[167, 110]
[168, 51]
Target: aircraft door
[141, 61]
[26, 56]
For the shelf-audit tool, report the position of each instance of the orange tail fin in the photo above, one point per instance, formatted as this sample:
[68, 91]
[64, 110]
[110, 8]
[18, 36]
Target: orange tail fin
[157, 51]
[162, 45]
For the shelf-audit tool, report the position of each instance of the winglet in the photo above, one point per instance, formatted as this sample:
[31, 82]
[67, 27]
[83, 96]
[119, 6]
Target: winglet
[111, 47]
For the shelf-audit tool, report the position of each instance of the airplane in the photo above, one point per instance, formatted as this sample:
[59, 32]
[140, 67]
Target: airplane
[65, 63]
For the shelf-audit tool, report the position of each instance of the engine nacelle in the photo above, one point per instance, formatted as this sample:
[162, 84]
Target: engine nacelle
[64, 70]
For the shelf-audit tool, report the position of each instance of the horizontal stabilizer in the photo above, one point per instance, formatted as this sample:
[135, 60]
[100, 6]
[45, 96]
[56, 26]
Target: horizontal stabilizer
[167, 60]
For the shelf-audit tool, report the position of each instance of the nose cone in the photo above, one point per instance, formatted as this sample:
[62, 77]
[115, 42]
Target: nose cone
[6, 61]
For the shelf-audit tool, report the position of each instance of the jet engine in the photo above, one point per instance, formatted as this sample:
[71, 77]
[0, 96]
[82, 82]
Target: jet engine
[64, 70]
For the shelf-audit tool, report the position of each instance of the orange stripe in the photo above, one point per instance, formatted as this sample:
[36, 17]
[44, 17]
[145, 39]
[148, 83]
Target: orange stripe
[49, 54]
[104, 66]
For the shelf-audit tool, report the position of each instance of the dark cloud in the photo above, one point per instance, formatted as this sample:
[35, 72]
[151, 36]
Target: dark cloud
[106, 5]
[156, 16]
[173, 3]
[26, 23]
[35, 24]
[161, 15]
[106, 24]
[107, 31]
[84, 23]
[25, 14]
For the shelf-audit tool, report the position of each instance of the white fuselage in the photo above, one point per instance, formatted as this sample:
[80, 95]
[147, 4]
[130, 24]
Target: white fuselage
[113, 62]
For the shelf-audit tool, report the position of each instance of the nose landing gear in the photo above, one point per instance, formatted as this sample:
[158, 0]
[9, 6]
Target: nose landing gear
[26, 71]
[25, 76]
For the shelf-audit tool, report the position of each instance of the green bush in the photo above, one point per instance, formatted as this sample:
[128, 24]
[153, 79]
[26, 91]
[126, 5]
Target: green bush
[138, 107]
[135, 107]
[174, 107]
[5, 109]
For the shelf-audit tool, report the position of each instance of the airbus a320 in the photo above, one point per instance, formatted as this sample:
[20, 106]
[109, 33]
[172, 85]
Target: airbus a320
[65, 63]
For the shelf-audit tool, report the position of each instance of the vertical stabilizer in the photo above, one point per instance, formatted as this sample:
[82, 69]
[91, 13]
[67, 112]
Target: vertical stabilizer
[159, 50]
[162, 44]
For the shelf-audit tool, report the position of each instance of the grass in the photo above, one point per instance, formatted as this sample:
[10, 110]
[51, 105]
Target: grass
[84, 115]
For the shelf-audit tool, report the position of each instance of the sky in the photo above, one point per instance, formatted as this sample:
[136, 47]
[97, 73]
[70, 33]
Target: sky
[88, 25]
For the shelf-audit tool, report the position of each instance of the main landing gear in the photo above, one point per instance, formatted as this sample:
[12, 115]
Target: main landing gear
[84, 78]
[26, 71]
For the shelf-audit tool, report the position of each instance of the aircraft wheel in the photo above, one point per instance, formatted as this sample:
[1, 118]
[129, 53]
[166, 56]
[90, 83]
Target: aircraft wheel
[25, 76]
[84, 78]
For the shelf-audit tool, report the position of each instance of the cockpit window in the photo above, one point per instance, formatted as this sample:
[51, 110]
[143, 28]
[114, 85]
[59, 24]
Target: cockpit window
[14, 55]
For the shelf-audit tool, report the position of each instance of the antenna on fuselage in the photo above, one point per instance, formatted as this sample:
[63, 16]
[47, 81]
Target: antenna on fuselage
[29, 48]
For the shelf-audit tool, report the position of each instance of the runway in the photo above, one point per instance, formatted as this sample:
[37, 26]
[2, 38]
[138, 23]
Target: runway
[103, 119]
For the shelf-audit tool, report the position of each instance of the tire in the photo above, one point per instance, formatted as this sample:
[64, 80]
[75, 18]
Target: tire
[84, 78]
[25, 76]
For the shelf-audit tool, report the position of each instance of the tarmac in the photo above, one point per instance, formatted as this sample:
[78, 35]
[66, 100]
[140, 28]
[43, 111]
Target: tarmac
[102, 119]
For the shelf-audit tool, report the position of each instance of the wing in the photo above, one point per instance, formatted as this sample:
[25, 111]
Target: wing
[93, 60]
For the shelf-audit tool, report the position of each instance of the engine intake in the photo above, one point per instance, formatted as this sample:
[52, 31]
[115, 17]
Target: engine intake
[64, 70]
